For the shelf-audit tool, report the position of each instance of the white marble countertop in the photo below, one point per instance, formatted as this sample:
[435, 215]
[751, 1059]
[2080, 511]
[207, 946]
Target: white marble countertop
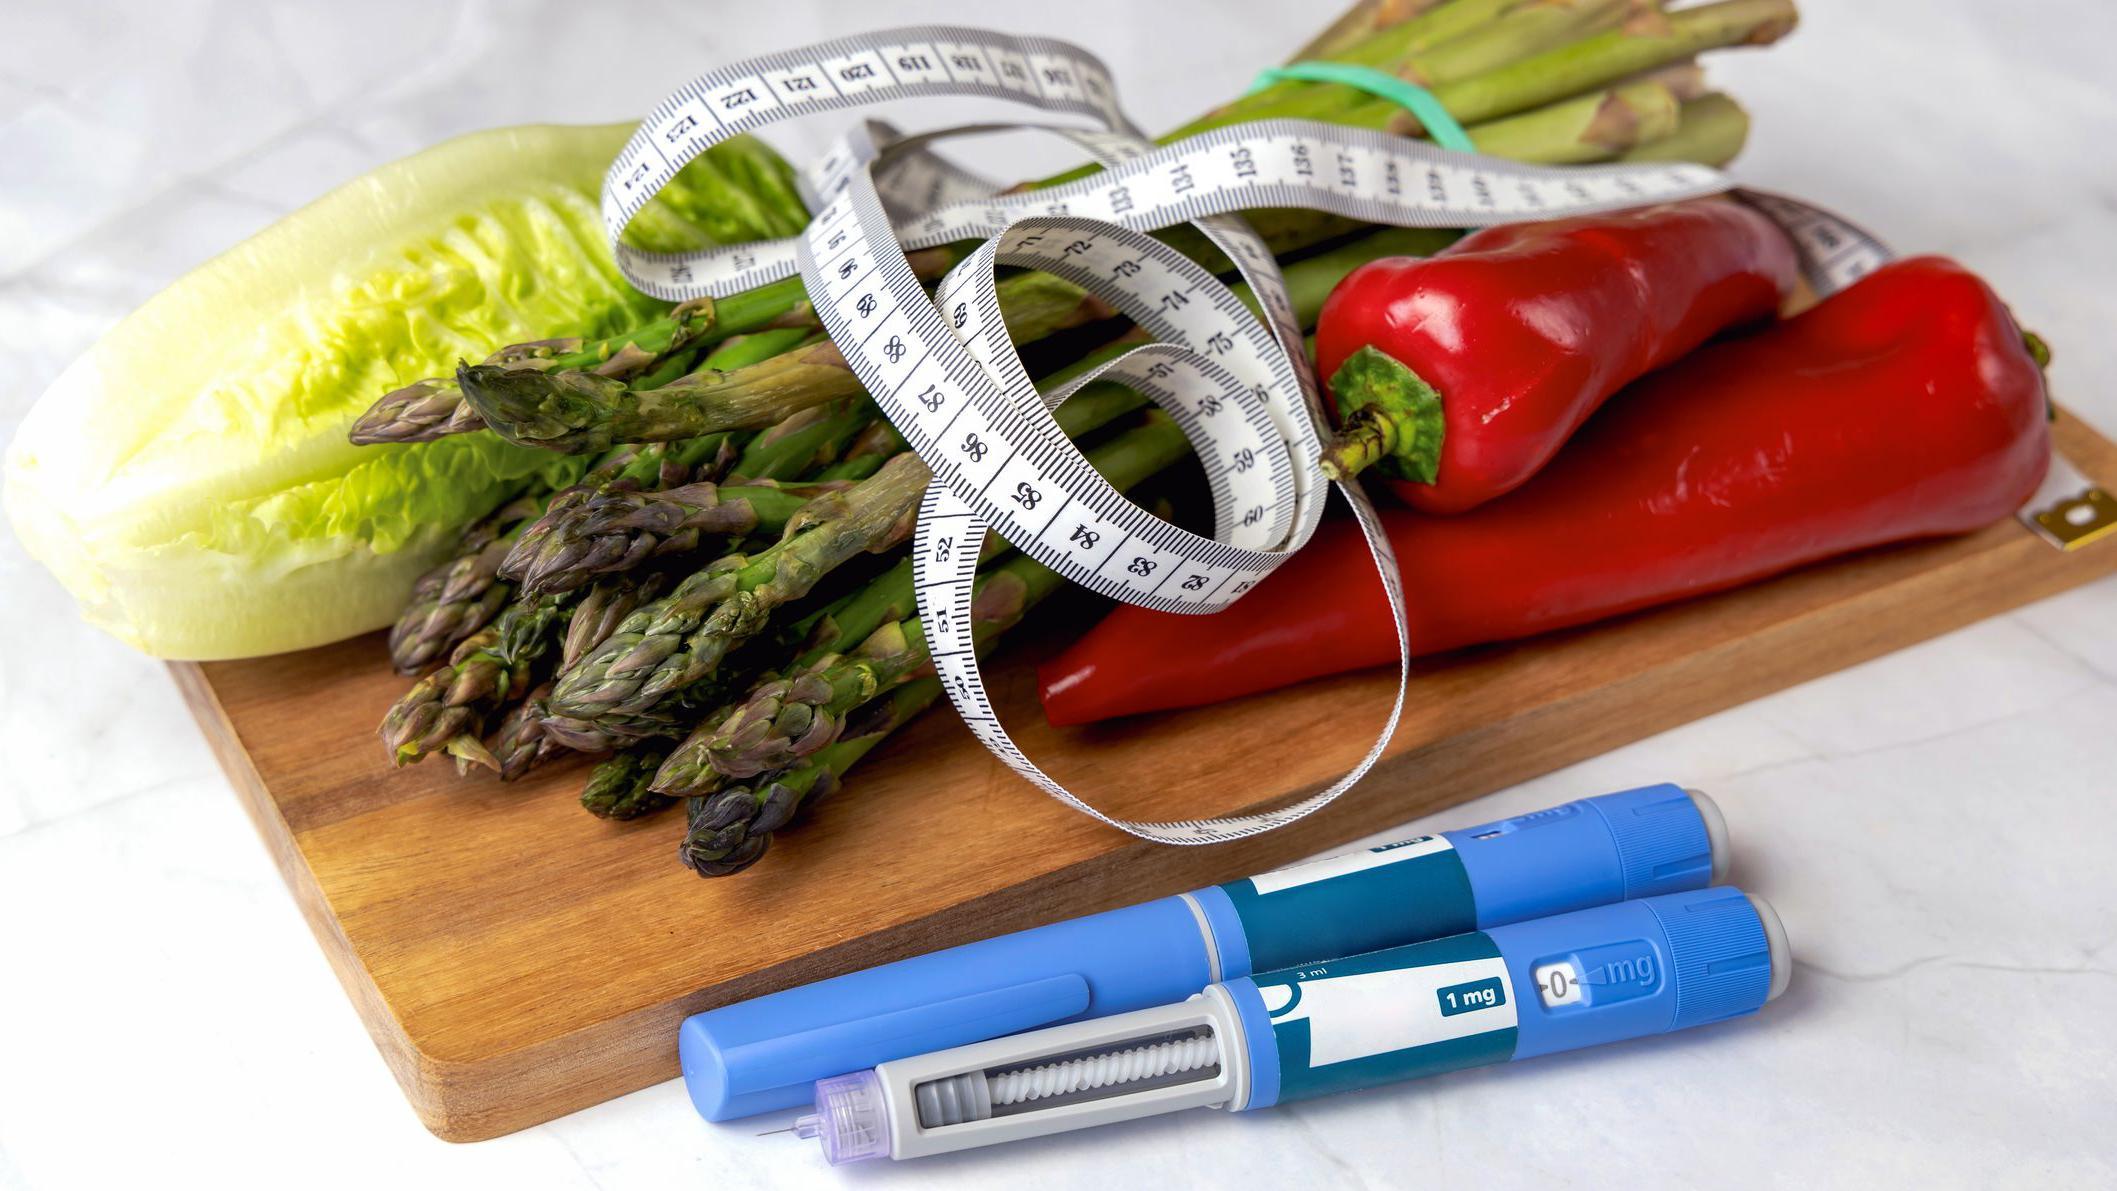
[1936, 827]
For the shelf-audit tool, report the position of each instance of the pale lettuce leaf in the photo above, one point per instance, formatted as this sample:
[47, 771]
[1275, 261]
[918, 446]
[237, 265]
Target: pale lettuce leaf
[189, 478]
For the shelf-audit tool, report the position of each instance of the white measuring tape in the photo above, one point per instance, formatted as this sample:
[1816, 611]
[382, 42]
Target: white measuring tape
[944, 372]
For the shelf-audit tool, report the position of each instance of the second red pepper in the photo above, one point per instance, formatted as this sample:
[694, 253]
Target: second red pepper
[1906, 406]
[1487, 357]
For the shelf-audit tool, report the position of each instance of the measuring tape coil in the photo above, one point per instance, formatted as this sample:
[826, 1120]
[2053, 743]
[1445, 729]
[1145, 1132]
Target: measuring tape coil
[945, 373]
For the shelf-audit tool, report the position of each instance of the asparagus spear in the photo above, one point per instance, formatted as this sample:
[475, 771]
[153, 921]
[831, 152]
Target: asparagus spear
[603, 607]
[446, 710]
[522, 740]
[618, 787]
[728, 831]
[618, 530]
[786, 718]
[809, 440]
[429, 409]
[580, 411]
[1592, 127]
[606, 730]
[1710, 129]
[519, 744]
[459, 596]
[865, 452]
[434, 408]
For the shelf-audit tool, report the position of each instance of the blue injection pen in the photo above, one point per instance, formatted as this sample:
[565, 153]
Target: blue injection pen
[766, 1054]
[1512, 992]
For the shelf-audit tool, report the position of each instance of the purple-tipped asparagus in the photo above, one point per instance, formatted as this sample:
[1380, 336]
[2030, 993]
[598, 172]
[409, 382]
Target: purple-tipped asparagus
[457, 598]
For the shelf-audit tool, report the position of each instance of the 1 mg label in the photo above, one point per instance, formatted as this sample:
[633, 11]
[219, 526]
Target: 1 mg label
[1389, 1015]
[1467, 998]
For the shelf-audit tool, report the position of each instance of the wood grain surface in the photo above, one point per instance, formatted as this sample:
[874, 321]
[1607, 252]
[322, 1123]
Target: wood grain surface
[516, 959]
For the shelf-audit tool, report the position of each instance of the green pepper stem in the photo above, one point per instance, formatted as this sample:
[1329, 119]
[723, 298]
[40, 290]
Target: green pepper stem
[2039, 350]
[1388, 416]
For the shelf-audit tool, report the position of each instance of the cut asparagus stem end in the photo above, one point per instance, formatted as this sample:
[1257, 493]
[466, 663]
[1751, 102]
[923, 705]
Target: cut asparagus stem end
[1710, 130]
[1388, 417]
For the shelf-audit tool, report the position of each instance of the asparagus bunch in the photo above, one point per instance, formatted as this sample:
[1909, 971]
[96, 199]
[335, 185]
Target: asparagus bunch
[613, 524]
[785, 718]
[808, 441]
[463, 593]
[785, 737]
[490, 660]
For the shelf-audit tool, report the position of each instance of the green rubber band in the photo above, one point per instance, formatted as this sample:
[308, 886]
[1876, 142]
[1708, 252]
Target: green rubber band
[1441, 128]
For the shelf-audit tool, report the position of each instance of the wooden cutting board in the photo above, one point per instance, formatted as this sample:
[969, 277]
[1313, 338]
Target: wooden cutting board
[516, 959]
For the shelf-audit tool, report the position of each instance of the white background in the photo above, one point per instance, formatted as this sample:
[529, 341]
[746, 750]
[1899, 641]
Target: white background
[1935, 827]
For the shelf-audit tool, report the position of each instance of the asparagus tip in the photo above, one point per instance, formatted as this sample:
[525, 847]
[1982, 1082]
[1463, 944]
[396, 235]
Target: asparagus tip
[558, 410]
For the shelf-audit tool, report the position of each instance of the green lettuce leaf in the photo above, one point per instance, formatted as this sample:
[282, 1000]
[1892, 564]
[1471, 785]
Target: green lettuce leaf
[189, 478]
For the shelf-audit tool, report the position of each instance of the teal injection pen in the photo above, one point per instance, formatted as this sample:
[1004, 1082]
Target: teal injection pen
[1597, 975]
[766, 1054]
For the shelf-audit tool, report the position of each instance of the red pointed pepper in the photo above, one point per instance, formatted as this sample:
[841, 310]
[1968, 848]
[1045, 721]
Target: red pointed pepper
[1487, 357]
[1906, 406]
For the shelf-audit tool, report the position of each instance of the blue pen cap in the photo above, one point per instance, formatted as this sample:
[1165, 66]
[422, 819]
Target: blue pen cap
[1666, 843]
[1616, 847]
[1728, 951]
[767, 1053]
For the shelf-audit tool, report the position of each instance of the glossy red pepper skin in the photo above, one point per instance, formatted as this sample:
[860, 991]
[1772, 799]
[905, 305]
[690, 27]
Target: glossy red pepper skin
[1526, 329]
[1906, 406]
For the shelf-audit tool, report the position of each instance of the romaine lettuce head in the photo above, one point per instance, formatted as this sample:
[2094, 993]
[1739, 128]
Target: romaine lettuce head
[189, 478]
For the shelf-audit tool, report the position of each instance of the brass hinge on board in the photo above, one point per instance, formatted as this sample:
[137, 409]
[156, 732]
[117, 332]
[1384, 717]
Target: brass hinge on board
[2069, 511]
